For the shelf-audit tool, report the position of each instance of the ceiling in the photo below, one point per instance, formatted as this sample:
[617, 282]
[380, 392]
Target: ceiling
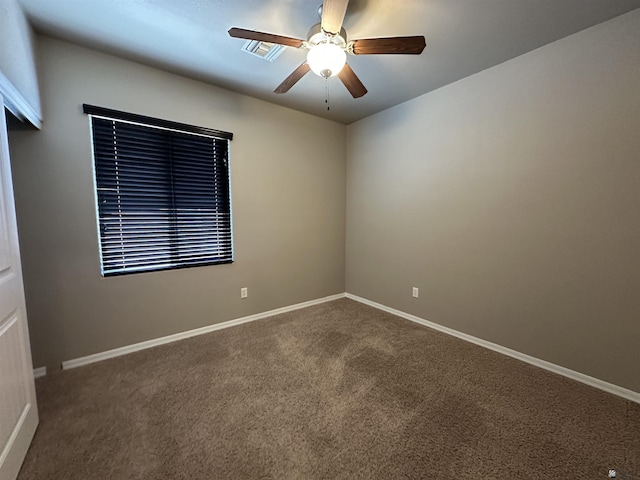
[190, 37]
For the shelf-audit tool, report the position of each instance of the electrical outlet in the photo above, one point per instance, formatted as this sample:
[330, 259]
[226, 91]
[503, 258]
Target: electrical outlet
[244, 293]
[416, 292]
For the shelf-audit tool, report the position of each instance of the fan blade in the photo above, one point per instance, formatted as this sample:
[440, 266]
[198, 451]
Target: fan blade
[405, 45]
[333, 14]
[292, 79]
[265, 37]
[350, 80]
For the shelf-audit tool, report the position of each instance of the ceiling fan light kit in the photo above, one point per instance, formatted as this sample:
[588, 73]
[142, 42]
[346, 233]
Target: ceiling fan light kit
[326, 59]
[327, 53]
[328, 48]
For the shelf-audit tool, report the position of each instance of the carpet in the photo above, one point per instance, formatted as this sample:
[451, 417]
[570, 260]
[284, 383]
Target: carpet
[338, 390]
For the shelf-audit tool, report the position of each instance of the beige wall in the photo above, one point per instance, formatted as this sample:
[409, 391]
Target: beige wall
[17, 63]
[509, 198]
[288, 181]
[512, 200]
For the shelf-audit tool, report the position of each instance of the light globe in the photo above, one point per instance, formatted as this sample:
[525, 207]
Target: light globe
[326, 59]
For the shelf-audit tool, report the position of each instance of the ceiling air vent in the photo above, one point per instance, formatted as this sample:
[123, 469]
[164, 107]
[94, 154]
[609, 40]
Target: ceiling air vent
[264, 50]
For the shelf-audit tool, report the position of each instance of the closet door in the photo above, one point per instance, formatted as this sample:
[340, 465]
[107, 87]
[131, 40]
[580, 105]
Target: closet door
[18, 410]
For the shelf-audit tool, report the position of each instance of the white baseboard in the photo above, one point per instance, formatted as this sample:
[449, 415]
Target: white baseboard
[116, 352]
[39, 372]
[580, 377]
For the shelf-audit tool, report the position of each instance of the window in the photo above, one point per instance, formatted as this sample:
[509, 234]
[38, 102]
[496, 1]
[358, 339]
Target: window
[162, 193]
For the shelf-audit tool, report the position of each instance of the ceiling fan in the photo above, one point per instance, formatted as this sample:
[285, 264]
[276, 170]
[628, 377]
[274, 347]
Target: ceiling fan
[328, 47]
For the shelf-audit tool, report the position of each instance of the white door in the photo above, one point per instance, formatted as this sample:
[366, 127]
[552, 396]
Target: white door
[18, 410]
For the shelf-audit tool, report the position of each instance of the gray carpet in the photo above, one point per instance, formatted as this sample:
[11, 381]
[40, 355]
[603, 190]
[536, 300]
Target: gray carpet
[338, 390]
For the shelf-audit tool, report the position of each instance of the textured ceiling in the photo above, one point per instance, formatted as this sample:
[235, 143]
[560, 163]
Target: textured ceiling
[190, 37]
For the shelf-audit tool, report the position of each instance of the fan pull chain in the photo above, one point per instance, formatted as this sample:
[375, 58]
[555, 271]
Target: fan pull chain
[326, 89]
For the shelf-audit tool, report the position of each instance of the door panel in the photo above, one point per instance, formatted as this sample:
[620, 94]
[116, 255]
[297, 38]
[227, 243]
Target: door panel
[18, 410]
[13, 396]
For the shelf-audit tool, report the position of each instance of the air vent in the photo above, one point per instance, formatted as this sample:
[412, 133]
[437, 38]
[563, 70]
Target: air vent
[264, 50]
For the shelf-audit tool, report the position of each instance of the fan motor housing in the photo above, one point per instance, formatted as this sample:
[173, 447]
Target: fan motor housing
[316, 35]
